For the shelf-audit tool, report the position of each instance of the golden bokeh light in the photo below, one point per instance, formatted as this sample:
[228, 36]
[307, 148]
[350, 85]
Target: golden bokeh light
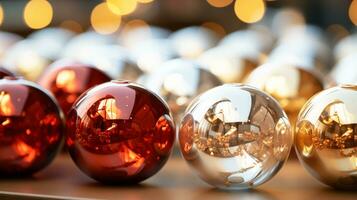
[122, 7]
[72, 26]
[144, 1]
[352, 12]
[249, 11]
[219, 3]
[38, 14]
[103, 20]
[1, 14]
[217, 28]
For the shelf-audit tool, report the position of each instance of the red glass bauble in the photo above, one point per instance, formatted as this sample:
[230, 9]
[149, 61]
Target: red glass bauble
[68, 81]
[4, 72]
[120, 133]
[31, 127]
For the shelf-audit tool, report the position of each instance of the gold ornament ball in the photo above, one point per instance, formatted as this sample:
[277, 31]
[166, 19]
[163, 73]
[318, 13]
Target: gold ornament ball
[235, 136]
[326, 137]
[292, 86]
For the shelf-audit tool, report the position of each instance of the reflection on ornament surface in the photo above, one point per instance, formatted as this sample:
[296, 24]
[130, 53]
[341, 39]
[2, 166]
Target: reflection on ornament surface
[31, 127]
[326, 139]
[119, 132]
[235, 136]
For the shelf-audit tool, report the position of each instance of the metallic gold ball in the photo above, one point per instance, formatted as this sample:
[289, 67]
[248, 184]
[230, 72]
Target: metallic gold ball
[292, 86]
[235, 136]
[326, 137]
[178, 81]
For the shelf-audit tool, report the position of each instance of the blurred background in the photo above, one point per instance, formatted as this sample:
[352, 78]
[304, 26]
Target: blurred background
[157, 43]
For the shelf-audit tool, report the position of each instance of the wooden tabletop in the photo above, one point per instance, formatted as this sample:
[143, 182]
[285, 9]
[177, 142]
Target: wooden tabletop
[62, 180]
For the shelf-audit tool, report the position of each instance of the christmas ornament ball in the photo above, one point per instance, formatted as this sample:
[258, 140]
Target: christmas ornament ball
[67, 80]
[120, 133]
[326, 136]
[31, 127]
[291, 85]
[235, 136]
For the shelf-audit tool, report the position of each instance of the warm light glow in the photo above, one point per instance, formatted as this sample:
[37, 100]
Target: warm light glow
[122, 7]
[1, 14]
[6, 106]
[352, 12]
[144, 1]
[219, 3]
[26, 152]
[103, 20]
[215, 27]
[38, 14]
[72, 26]
[108, 109]
[249, 11]
[66, 80]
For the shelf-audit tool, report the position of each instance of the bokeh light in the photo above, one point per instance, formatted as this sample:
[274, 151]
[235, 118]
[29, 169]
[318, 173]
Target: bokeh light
[219, 3]
[249, 11]
[122, 7]
[103, 20]
[38, 14]
[1, 14]
[352, 12]
[72, 25]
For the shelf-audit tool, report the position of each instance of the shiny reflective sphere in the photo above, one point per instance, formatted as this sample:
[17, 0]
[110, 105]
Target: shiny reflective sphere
[235, 136]
[292, 86]
[31, 128]
[178, 82]
[326, 137]
[120, 133]
[67, 80]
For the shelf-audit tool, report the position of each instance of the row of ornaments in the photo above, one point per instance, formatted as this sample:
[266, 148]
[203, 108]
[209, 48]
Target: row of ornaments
[234, 136]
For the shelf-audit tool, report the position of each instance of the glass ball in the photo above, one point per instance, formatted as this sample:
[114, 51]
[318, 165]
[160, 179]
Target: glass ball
[178, 81]
[120, 133]
[68, 80]
[292, 86]
[31, 127]
[326, 137]
[235, 136]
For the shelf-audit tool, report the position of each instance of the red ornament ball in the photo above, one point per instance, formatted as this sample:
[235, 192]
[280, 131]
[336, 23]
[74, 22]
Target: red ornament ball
[4, 72]
[120, 133]
[68, 80]
[31, 127]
